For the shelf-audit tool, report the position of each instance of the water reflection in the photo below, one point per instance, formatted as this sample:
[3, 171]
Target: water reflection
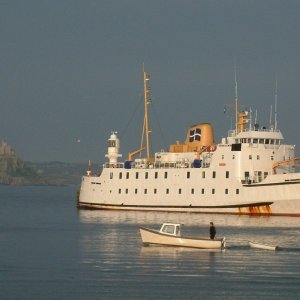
[174, 252]
[111, 250]
[113, 233]
[184, 260]
[139, 217]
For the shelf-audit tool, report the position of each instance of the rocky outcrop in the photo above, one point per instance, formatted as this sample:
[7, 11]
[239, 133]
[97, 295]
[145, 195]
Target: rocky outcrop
[13, 170]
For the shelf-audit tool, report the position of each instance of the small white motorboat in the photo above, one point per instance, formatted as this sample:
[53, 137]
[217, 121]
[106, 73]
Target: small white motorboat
[262, 246]
[170, 235]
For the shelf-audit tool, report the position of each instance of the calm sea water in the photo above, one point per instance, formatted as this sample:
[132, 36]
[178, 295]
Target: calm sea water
[51, 250]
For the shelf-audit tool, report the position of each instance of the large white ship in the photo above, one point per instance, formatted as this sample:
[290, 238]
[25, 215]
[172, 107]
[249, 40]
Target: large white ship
[251, 171]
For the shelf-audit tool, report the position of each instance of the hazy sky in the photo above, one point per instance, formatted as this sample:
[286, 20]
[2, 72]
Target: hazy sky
[72, 70]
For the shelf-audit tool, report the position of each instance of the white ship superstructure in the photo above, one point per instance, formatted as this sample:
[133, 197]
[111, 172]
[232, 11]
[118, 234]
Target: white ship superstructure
[251, 171]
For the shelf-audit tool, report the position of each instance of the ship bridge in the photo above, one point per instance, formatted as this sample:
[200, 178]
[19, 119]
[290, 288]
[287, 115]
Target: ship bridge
[257, 136]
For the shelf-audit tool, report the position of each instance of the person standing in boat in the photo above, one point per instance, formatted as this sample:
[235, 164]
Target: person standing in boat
[212, 231]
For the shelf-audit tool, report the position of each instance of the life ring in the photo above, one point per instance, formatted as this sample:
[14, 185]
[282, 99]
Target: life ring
[211, 148]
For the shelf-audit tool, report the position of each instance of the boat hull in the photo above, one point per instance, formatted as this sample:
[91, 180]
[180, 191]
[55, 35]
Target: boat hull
[262, 246]
[278, 195]
[156, 238]
[251, 210]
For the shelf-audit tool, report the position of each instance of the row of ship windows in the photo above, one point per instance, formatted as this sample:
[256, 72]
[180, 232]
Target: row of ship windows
[259, 141]
[257, 157]
[259, 174]
[188, 175]
[213, 191]
[250, 157]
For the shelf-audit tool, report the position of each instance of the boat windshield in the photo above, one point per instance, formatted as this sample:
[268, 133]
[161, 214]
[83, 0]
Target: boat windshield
[171, 229]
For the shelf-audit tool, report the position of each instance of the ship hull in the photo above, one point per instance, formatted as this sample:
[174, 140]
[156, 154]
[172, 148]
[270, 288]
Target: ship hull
[245, 210]
[278, 195]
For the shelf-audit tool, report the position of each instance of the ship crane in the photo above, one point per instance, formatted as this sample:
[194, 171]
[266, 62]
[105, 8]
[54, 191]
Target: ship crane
[293, 162]
[133, 153]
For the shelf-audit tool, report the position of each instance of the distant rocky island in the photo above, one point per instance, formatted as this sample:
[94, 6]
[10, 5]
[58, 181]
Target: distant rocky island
[14, 171]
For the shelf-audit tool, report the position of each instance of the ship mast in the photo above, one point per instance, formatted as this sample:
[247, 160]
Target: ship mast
[147, 100]
[236, 100]
[146, 131]
[275, 108]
